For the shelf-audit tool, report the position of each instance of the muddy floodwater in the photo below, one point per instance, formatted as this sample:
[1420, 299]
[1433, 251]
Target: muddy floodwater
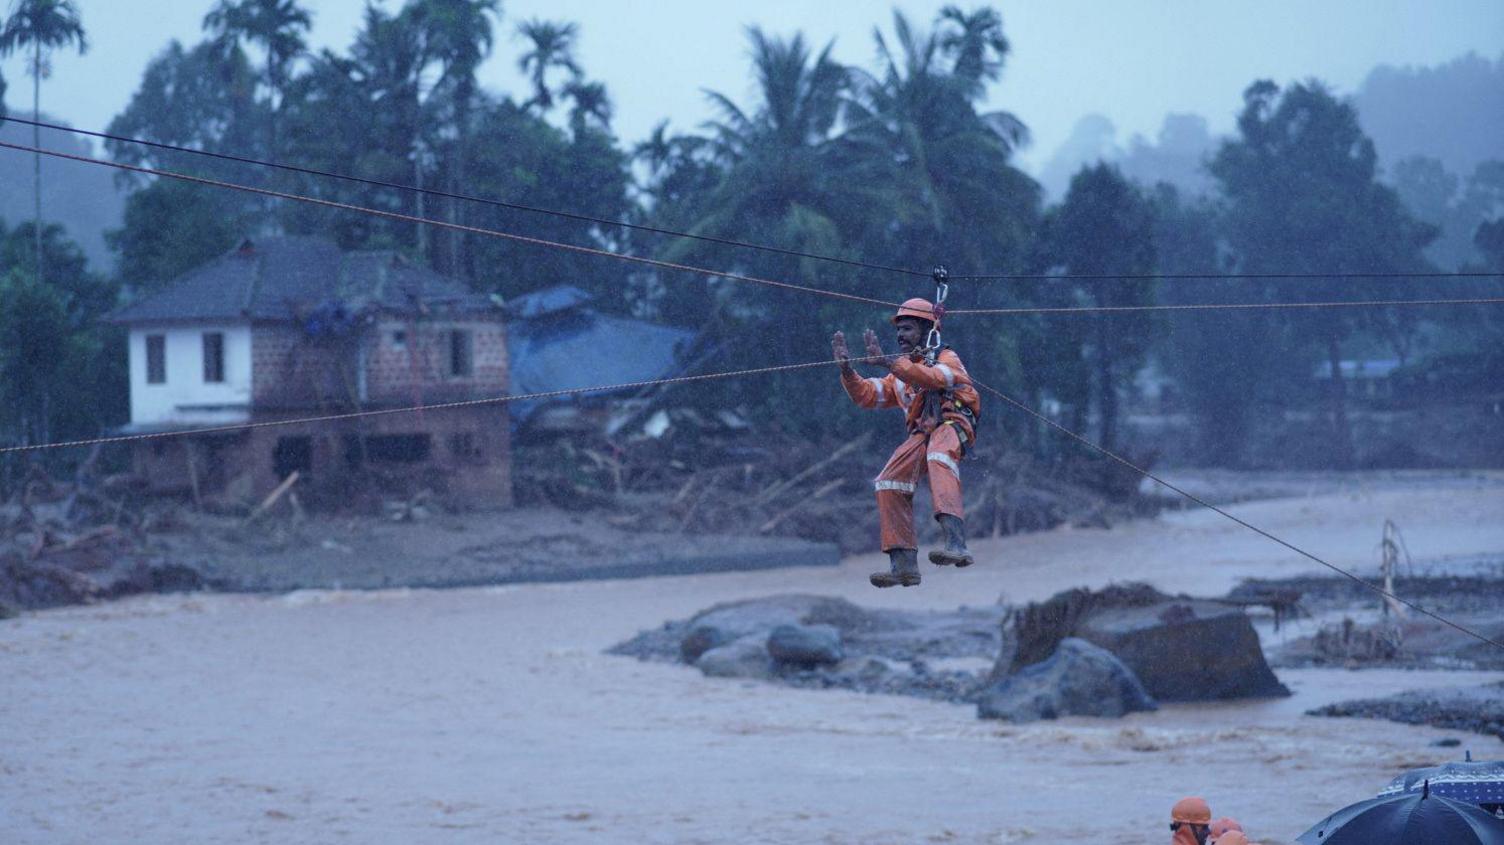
[490, 715]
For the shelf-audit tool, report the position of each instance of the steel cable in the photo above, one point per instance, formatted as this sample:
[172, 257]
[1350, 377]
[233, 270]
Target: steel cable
[669, 265]
[464, 403]
[570, 215]
[459, 227]
[1250, 526]
[1230, 306]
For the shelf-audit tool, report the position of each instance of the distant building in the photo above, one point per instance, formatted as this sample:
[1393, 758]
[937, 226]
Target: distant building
[291, 327]
[1365, 379]
[557, 341]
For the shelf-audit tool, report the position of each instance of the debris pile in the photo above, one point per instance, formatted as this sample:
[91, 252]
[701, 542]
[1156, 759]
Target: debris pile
[79, 542]
[819, 491]
[1353, 630]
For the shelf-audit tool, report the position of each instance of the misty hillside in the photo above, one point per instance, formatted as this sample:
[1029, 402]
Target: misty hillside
[1175, 154]
[1452, 112]
[81, 196]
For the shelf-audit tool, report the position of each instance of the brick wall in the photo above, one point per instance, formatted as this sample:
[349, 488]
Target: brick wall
[405, 362]
[408, 361]
[469, 460]
[287, 371]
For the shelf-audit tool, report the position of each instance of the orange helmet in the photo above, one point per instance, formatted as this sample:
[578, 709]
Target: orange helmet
[1192, 811]
[916, 307]
[1223, 825]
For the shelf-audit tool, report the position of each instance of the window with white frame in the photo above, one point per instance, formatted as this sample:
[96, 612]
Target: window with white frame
[156, 359]
[214, 357]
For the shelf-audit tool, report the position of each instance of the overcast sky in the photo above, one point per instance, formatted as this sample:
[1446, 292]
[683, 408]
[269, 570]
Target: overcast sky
[1131, 61]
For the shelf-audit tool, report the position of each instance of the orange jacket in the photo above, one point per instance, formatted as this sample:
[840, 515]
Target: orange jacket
[912, 382]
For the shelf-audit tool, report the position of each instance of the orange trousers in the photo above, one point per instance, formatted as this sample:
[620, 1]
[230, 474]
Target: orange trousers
[936, 455]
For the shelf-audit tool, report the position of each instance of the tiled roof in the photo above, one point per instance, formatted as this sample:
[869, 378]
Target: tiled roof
[280, 278]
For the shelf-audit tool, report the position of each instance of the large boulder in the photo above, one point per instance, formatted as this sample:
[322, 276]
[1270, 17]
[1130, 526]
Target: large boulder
[1182, 649]
[726, 623]
[743, 658]
[1079, 679]
[1187, 649]
[703, 638]
[806, 646]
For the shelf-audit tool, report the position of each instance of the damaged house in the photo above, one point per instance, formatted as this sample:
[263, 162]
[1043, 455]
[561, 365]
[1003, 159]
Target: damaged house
[292, 327]
[554, 329]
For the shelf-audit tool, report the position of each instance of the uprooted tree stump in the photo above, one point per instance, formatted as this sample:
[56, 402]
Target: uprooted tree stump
[1181, 648]
[76, 542]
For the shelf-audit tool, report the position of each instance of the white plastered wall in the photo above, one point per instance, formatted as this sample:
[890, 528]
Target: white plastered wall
[185, 397]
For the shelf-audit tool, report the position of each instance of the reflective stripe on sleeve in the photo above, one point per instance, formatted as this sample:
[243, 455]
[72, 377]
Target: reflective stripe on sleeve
[882, 391]
[950, 375]
[900, 486]
[945, 461]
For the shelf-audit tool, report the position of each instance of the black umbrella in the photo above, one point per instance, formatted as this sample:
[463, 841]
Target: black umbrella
[1479, 783]
[1410, 818]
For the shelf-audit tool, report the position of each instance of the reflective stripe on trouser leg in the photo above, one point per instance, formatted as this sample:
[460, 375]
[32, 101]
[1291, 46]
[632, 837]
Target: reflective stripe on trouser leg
[895, 494]
[943, 454]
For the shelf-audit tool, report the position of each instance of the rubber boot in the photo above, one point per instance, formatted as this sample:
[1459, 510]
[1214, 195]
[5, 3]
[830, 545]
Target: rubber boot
[954, 553]
[903, 569]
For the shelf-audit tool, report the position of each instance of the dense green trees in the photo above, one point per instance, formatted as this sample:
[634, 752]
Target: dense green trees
[897, 162]
[42, 26]
[1301, 195]
[1104, 227]
[277, 27]
[61, 372]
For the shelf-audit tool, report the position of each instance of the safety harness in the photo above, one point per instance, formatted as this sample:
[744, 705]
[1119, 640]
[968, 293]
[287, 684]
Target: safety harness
[938, 402]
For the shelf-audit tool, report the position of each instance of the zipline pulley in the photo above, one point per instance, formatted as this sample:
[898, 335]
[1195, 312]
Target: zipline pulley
[932, 343]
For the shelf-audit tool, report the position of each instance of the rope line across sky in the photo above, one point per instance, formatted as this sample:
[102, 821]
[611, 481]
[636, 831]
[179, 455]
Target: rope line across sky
[585, 218]
[669, 265]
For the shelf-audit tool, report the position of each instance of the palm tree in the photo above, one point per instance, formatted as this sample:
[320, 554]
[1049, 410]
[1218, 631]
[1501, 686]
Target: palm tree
[458, 35]
[678, 173]
[278, 26]
[590, 103]
[914, 125]
[776, 156]
[978, 46]
[388, 58]
[44, 25]
[657, 149]
[976, 42]
[552, 47]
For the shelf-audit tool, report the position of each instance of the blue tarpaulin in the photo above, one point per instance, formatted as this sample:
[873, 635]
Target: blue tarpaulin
[556, 342]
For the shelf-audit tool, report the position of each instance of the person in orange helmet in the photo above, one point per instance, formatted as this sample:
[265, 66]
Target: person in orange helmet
[1221, 826]
[1230, 837]
[941, 408]
[1190, 821]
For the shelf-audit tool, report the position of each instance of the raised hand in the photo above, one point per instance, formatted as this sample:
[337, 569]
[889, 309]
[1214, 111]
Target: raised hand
[838, 348]
[874, 349]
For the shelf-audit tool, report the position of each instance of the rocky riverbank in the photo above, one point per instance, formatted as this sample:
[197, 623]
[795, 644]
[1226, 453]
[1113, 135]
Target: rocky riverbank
[1479, 709]
[1082, 652]
[935, 655]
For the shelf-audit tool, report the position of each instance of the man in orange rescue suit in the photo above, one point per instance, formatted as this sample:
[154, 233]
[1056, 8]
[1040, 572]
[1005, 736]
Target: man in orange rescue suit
[941, 408]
